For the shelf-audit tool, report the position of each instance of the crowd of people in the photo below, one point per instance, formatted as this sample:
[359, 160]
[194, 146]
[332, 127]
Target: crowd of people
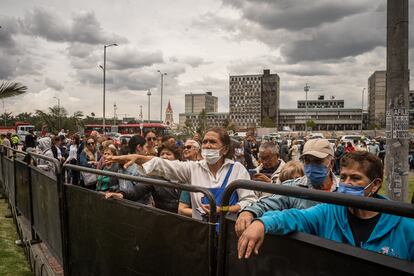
[214, 160]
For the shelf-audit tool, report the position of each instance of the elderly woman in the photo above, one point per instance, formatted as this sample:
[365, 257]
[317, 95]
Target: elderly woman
[214, 172]
[45, 148]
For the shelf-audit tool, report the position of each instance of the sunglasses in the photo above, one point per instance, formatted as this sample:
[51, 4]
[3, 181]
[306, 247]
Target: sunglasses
[151, 138]
[188, 147]
[90, 144]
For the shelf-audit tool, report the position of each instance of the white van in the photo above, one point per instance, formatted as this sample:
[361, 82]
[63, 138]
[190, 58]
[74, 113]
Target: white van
[352, 138]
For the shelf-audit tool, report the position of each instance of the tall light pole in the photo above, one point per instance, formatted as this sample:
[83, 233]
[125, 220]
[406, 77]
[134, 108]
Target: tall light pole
[104, 83]
[58, 101]
[306, 89]
[115, 108]
[149, 105]
[162, 88]
[362, 109]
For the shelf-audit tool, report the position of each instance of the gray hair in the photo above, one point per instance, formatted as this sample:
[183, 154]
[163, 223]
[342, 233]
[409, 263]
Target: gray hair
[194, 143]
[274, 148]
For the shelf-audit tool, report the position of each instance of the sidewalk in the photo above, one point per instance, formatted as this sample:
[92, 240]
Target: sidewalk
[12, 258]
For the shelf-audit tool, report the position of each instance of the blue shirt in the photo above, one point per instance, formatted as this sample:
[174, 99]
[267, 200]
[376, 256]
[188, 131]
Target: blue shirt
[393, 235]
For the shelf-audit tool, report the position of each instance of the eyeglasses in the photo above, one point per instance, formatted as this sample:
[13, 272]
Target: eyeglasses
[151, 138]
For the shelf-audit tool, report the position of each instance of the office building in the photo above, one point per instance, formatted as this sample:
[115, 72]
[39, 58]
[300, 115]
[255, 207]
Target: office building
[377, 98]
[195, 103]
[254, 99]
[321, 102]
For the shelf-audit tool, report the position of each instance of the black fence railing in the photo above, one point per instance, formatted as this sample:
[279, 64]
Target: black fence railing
[304, 254]
[91, 235]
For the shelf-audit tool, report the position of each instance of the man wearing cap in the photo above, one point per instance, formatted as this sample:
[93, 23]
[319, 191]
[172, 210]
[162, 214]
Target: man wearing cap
[318, 157]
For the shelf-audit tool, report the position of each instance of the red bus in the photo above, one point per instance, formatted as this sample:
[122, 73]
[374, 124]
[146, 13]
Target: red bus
[158, 128]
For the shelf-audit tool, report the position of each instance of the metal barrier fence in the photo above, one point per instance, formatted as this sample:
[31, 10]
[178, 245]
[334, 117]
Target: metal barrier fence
[90, 235]
[304, 254]
[132, 238]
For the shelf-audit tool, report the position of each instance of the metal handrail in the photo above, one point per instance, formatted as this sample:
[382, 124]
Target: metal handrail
[51, 159]
[156, 182]
[372, 204]
[163, 183]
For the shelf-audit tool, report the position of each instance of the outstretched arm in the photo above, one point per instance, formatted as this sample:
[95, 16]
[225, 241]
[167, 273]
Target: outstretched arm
[128, 159]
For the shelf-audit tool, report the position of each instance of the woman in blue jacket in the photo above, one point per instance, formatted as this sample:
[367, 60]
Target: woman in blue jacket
[361, 175]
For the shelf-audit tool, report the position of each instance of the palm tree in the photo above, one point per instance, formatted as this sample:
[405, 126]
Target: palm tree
[11, 89]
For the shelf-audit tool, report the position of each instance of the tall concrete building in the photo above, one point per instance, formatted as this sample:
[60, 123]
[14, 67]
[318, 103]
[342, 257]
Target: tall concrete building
[377, 98]
[254, 99]
[321, 102]
[195, 103]
[327, 115]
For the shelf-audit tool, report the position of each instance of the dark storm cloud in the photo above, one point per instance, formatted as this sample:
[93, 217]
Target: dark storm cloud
[134, 81]
[54, 84]
[82, 27]
[8, 66]
[8, 28]
[350, 37]
[127, 58]
[296, 14]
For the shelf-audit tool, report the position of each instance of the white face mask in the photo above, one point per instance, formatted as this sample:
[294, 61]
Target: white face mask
[211, 155]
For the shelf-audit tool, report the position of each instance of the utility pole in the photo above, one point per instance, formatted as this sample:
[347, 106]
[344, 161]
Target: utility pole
[104, 85]
[362, 109]
[58, 101]
[4, 110]
[115, 108]
[397, 105]
[140, 113]
[162, 88]
[306, 88]
[149, 105]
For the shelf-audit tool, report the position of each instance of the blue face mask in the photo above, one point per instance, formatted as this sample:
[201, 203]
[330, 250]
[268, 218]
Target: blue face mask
[317, 174]
[344, 188]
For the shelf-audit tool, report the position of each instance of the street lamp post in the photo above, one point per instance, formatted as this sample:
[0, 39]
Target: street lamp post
[162, 88]
[149, 105]
[115, 117]
[58, 100]
[306, 88]
[362, 109]
[104, 84]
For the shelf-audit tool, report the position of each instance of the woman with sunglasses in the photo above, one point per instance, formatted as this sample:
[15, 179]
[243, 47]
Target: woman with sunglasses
[214, 172]
[151, 140]
[88, 158]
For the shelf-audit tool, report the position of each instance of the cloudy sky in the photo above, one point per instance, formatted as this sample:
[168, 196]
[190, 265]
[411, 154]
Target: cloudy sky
[56, 47]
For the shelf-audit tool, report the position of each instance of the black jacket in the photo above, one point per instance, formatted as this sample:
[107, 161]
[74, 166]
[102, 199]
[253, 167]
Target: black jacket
[164, 198]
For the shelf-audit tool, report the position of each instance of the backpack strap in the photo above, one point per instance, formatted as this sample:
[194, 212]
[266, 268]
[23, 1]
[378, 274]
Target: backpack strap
[226, 179]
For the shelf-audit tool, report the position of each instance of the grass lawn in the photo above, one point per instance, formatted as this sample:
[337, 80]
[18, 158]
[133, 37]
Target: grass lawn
[410, 187]
[12, 259]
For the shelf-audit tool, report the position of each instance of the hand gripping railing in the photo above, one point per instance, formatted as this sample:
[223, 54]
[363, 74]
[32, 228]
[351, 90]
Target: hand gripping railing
[371, 204]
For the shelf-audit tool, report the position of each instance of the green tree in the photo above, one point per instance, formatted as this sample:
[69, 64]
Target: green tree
[11, 89]
[7, 118]
[226, 123]
[310, 124]
[202, 122]
[268, 122]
